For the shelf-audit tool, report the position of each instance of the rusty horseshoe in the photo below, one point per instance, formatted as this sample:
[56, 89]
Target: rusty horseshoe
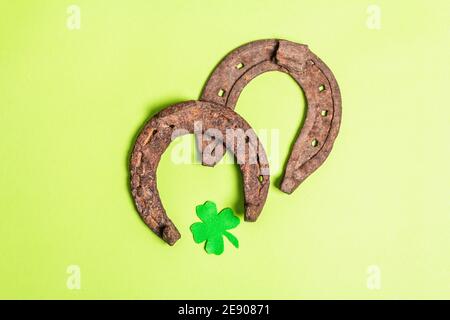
[180, 119]
[323, 117]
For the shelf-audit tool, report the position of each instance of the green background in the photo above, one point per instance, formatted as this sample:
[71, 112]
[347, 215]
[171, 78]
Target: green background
[72, 102]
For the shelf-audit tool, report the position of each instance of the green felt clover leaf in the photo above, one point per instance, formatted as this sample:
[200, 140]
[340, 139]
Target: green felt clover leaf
[214, 226]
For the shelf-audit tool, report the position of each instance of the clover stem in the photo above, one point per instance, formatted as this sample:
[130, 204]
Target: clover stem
[234, 241]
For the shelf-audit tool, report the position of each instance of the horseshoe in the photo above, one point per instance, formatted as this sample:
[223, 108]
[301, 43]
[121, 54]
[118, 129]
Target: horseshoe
[323, 118]
[177, 120]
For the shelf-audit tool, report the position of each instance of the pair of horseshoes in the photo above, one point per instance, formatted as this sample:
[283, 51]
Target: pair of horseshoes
[215, 110]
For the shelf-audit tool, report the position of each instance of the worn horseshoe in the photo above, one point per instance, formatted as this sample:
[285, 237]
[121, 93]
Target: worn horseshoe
[323, 117]
[180, 119]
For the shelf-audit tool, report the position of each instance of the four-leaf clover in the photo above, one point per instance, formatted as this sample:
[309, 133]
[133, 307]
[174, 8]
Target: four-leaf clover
[214, 226]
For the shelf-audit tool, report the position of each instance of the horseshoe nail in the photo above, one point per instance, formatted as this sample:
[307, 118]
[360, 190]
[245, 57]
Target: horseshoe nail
[180, 119]
[323, 118]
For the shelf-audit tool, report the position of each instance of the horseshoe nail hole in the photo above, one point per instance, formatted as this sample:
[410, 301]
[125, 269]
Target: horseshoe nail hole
[240, 65]
[315, 143]
[260, 178]
[324, 113]
[321, 88]
[221, 93]
[172, 126]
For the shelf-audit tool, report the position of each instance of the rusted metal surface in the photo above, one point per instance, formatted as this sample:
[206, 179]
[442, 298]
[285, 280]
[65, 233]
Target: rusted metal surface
[156, 136]
[215, 111]
[323, 118]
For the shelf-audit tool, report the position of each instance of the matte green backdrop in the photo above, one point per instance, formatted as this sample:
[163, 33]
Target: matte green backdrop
[72, 101]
